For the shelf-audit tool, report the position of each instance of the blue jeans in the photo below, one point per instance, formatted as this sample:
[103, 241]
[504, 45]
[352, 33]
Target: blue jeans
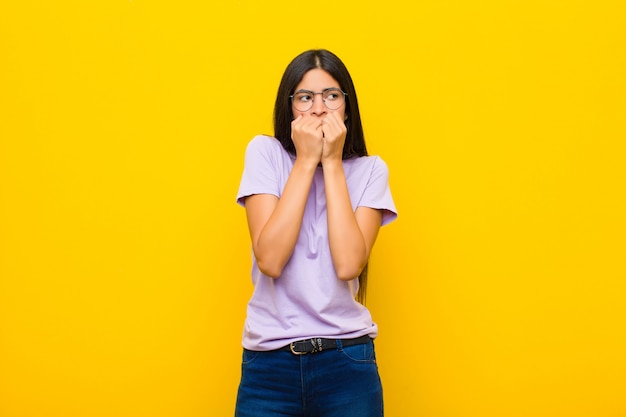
[342, 382]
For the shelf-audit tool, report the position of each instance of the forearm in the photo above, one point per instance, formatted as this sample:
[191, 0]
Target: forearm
[347, 244]
[277, 238]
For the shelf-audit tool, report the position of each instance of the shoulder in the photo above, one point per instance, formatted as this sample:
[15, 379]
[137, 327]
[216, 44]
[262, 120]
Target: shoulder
[266, 154]
[265, 148]
[264, 143]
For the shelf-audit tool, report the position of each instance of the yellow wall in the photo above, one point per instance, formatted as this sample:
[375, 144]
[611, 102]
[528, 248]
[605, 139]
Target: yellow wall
[500, 291]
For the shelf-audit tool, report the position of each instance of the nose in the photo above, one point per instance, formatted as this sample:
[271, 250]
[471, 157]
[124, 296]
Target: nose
[318, 108]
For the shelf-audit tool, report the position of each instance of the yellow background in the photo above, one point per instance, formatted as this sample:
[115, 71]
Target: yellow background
[124, 260]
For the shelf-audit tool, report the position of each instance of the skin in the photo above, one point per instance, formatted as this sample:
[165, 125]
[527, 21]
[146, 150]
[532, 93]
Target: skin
[274, 224]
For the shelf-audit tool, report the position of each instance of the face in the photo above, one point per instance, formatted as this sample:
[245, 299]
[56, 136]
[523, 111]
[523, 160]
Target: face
[318, 80]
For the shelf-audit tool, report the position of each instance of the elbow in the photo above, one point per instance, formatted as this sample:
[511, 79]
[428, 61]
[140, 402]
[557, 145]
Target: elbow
[270, 263]
[348, 267]
[272, 271]
[348, 273]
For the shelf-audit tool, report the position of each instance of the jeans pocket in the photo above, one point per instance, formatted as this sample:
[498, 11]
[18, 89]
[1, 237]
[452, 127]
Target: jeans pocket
[364, 353]
[248, 356]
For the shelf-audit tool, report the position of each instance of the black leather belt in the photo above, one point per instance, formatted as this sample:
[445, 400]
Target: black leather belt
[316, 344]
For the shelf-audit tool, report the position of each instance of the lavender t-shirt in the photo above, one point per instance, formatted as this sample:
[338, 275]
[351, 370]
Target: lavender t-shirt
[308, 300]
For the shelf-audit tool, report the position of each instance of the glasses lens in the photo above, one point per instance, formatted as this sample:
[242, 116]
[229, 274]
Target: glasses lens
[334, 98]
[303, 100]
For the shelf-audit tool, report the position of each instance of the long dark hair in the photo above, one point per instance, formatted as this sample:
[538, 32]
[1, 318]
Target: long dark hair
[355, 141]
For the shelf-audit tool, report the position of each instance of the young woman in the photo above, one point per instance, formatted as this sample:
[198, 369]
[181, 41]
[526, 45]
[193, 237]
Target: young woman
[314, 202]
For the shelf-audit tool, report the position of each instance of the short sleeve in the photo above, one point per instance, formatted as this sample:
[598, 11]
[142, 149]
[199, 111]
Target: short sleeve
[377, 193]
[260, 169]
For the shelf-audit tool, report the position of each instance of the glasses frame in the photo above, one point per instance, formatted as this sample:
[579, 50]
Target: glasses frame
[345, 97]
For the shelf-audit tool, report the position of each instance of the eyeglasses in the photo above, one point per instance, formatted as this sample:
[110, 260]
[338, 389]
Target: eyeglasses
[333, 98]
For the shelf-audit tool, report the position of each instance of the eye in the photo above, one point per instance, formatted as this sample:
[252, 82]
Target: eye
[303, 97]
[332, 95]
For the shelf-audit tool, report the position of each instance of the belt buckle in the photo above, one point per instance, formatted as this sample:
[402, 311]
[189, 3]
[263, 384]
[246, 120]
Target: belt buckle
[291, 347]
[317, 346]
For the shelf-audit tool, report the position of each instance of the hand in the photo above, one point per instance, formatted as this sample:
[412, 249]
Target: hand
[334, 130]
[307, 136]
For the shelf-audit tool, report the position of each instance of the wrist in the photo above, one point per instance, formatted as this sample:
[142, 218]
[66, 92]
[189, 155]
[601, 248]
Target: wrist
[332, 165]
[306, 163]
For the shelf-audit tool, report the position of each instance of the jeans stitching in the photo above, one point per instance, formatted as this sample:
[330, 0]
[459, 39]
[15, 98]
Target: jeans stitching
[370, 360]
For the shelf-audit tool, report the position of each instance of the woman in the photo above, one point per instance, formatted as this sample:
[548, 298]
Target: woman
[314, 202]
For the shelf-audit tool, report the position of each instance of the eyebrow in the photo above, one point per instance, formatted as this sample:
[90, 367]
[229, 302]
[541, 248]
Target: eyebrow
[302, 90]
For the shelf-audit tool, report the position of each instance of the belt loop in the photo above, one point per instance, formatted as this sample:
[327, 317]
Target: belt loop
[339, 344]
